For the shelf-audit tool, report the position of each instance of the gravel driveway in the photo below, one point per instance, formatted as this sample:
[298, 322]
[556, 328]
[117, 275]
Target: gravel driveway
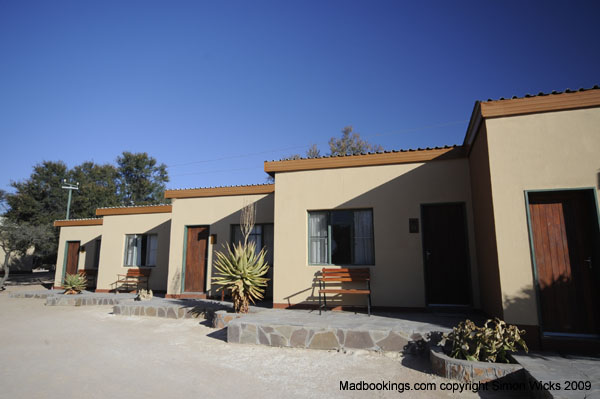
[62, 352]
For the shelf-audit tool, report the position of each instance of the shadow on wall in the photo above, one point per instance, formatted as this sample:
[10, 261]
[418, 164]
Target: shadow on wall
[222, 227]
[561, 307]
[397, 278]
[92, 251]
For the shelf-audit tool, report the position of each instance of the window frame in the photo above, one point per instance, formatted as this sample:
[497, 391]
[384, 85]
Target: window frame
[148, 249]
[232, 228]
[329, 236]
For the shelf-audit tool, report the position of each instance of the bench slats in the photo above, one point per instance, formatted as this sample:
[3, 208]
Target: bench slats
[342, 275]
[347, 291]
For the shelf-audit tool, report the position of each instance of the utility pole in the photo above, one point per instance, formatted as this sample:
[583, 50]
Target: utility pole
[70, 187]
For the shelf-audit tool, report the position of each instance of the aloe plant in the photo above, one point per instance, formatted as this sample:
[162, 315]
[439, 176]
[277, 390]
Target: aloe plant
[74, 283]
[241, 270]
[491, 343]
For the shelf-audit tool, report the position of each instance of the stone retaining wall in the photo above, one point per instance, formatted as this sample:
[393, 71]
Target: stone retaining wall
[468, 371]
[172, 309]
[35, 294]
[315, 338]
[84, 300]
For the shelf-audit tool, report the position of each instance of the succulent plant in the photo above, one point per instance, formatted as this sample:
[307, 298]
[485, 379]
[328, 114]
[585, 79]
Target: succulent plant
[491, 343]
[74, 283]
[241, 270]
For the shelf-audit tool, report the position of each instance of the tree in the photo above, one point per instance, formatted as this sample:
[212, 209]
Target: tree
[351, 144]
[17, 239]
[313, 152]
[97, 188]
[140, 180]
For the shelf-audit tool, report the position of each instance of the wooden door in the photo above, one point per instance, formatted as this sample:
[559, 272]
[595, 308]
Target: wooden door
[445, 254]
[564, 233]
[72, 257]
[195, 259]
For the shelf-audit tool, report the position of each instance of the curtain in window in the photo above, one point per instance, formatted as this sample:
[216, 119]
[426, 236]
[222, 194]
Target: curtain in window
[317, 222]
[363, 238]
[131, 253]
[151, 250]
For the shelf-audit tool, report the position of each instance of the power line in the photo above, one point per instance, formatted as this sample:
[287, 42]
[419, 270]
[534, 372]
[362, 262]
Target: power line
[251, 154]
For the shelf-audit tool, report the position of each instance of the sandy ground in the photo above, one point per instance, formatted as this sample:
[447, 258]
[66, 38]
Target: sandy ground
[62, 352]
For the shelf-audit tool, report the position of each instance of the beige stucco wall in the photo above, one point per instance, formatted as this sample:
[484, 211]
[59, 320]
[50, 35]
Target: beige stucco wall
[219, 213]
[395, 193]
[541, 151]
[87, 236]
[485, 235]
[112, 253]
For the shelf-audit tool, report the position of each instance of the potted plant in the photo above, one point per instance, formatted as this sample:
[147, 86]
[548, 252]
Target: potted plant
[74, 284]
[240, 268]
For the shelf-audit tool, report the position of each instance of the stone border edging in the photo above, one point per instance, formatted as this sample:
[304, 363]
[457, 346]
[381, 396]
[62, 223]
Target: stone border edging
[295, 336]
[468, 371]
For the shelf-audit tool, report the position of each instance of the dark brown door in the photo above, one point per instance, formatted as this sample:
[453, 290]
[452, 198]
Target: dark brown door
[445, 254]
[72, 257]
[195, 259]
[564, 229]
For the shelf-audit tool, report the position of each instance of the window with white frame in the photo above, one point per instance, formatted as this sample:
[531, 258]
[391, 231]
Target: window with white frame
[343, 237]
[141, 249]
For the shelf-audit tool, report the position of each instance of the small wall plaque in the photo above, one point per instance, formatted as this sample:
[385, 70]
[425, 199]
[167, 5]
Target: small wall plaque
[413, 225]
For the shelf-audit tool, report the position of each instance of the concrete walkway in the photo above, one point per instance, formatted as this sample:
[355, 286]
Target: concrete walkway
[561, 372]
[58, 352]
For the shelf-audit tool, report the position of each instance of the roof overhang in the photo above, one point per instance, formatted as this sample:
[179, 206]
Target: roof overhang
[134, 210]
[78, 222]
[529, 105]
[221, 191]
[386, 158]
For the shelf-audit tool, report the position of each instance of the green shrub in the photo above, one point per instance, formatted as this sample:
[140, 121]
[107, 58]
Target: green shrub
[74, 283]
[490, 343]
[241, 271]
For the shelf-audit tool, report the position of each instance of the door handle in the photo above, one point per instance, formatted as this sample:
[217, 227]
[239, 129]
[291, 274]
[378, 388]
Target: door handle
[427, 254]
[588, 260]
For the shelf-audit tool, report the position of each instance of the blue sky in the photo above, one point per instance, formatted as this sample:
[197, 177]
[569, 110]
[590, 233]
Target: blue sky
[212, 89]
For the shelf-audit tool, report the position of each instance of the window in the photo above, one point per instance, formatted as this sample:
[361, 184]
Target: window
[140, 249]
[261, 234]
[341, 237]
[97, 253]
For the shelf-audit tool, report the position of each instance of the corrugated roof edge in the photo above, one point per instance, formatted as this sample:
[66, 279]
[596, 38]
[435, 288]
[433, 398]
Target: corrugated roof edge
[372, 153]
[216, 187]
[132, 206]
[528, 104]
[542, 94]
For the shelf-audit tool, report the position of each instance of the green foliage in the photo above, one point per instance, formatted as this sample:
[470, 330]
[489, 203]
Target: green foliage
[141, 181]
[241, 271]
[16, 239]
[351, 144]
[39, 200]
[74, 283]
[313, 152]
[490, 343]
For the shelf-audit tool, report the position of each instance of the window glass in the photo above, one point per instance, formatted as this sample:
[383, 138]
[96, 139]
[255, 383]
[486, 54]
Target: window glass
[141, 249]
[318, 237]
[261, 235]
[347, 234]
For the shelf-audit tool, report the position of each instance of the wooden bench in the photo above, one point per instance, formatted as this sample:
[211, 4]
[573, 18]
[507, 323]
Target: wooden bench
[90, 276]
[338, 276]
[133, 278]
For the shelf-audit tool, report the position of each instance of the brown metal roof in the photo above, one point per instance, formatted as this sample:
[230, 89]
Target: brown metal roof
[220, 191]
[368, 159]
[134, 210]
[78, 222]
